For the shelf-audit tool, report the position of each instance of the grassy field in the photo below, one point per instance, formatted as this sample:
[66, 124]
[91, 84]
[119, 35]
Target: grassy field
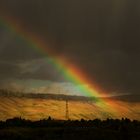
[35, 109]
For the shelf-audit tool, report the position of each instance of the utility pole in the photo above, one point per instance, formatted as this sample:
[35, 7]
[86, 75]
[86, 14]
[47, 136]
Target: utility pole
[67, 110]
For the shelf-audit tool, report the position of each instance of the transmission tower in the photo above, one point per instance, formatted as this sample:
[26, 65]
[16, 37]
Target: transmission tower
[67, 110]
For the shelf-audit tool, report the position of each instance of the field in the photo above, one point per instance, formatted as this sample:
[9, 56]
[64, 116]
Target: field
[35, 109]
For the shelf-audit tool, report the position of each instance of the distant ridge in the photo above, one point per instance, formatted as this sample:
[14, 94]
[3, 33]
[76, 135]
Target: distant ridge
[6, 93]
[125, 98]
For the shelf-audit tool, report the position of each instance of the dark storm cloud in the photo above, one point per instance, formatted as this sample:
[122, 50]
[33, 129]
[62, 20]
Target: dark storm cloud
[40, 69]
[100, 37]
[8, 70]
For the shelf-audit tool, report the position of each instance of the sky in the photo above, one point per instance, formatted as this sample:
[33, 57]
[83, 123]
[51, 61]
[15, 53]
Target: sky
[101, 38]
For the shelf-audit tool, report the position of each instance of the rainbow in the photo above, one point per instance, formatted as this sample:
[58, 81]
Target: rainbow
[70, 71]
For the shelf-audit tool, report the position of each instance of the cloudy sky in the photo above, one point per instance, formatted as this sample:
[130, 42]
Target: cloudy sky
[100, 37]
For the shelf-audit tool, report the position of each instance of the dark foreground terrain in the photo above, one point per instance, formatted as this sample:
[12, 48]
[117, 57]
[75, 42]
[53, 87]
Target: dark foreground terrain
[20, 129]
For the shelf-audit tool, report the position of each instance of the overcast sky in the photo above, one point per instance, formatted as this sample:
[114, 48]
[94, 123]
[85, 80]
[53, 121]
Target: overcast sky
[101, 37]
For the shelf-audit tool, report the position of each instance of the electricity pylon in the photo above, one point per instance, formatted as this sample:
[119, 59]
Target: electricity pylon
[67, 110]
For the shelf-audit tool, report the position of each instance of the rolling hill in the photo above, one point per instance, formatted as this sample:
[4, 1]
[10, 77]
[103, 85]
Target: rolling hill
[35, 106]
